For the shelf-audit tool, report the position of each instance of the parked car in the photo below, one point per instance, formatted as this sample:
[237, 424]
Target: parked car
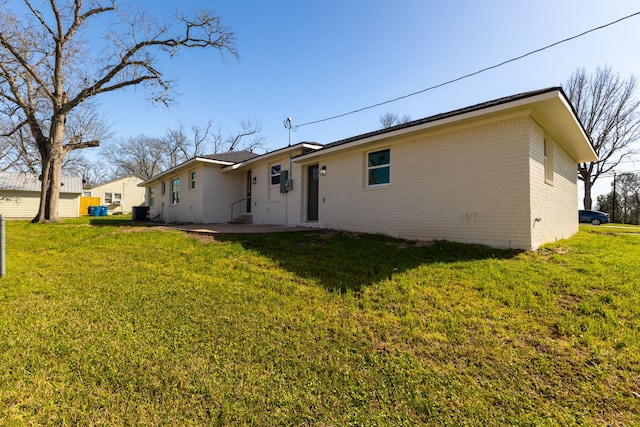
[593, 217]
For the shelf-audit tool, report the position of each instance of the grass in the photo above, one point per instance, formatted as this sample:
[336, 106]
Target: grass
[102, 323]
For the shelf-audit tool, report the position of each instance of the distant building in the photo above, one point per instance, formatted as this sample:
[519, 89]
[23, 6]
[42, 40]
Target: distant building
[119, 195]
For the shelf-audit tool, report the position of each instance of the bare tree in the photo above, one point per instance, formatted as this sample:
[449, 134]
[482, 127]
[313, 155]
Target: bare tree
[140, 155]
[180, 147]
[609, 109]
[147, 156]
[18, 151]
[93, 172]
[388, 120]
[47, 70]
[247, 138]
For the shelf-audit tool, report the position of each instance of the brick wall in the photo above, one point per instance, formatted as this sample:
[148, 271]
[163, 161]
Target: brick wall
[464, 183]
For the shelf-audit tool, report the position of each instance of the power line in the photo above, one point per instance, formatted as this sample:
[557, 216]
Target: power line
[517, 58]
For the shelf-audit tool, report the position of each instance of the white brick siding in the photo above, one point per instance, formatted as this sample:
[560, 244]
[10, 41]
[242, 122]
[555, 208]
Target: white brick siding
[556, 205]
[465, 184]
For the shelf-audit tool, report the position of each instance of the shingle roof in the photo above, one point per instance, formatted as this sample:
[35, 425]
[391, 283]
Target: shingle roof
[441, 116]
[231, 156]
[28, 182]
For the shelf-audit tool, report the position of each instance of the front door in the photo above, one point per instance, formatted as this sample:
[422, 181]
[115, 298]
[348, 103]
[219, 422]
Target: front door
[249, 192]
[312, 192]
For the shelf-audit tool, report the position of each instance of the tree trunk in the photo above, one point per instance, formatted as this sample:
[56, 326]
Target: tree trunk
[587, 194]
[52, 161]
[57, 158]
[45, 179]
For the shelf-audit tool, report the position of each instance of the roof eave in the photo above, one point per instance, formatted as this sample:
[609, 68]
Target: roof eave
[181, 166]
[551, 106]
[273, 154]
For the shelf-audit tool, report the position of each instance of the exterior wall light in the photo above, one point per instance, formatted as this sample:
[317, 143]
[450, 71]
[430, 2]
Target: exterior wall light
[323, 170]
[254, 180]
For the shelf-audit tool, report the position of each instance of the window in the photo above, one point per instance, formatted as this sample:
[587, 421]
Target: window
[548, 161]
[378, 167]
[152, 195]
[112, 198]
[86, 193]
[192, 183]
[175, 191]
[275, 174]
[163, 188]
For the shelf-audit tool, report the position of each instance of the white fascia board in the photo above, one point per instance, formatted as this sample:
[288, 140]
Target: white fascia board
[273, 153]
[180, 167]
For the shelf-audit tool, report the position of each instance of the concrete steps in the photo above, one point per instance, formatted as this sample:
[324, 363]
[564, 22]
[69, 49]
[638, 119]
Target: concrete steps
[242, 219]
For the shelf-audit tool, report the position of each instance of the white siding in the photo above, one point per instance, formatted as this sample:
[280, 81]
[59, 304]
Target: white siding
[19, 204]
[189, 206]
[554, 205]
[466, 184]
[24, 204]
[132, 195]
[269, 205]
[220, 189]
[69, 205]
[209, 202]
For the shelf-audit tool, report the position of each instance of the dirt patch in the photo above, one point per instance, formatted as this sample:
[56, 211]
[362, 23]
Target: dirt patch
[201, 237]
[140, 229]
[416, 244]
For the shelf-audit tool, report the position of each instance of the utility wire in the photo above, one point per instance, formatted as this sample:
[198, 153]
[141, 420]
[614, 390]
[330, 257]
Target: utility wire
[472, 74]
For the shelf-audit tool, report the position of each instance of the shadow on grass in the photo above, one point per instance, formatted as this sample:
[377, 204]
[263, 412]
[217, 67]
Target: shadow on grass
[340, 261]
[118, 221]
[348, 262]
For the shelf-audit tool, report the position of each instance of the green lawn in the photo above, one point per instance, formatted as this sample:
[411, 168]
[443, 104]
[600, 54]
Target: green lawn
[102, 323]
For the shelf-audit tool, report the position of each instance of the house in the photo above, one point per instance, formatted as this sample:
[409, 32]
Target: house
[20, 195]
[197, 190]
[119, 195]
[502, 173]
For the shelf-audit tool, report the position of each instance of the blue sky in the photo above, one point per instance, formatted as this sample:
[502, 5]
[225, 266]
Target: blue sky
[311, 60]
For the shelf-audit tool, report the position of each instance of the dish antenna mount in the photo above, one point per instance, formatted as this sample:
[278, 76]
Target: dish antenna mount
[288, 123]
